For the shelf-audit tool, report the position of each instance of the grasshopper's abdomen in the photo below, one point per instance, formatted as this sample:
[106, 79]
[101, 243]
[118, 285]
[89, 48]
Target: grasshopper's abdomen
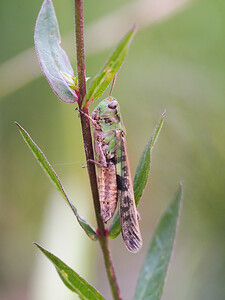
[107, 191]
[106, 172]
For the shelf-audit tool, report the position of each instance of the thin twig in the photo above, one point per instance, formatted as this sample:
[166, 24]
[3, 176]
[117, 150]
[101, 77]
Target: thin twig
[86, 131]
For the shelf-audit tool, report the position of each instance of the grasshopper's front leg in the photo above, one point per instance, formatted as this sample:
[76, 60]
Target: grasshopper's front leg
[93, 122]
[94, 162]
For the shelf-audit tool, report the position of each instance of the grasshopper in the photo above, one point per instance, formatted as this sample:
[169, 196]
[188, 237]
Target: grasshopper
[113, 171]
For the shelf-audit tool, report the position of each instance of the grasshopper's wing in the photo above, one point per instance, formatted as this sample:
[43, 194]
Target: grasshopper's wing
[127, 208]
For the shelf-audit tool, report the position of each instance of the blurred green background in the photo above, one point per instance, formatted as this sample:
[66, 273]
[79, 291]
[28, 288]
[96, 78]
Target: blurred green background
[177, 62]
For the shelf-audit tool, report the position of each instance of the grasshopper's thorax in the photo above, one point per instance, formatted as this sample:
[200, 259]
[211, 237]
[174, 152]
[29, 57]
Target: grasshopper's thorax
[108, 116]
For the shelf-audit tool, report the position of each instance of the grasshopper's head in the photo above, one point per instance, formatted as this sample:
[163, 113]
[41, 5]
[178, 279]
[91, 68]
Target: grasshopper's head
[107, 113]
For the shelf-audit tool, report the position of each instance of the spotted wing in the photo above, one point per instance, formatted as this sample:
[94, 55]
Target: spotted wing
[127, 208]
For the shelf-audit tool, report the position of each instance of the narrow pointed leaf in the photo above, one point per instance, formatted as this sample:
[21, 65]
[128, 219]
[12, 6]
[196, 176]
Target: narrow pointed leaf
[141, 174]
[39, 155]
[102, 80]
[154, 270]
[144, 165]
[52, 57]
[71, 279]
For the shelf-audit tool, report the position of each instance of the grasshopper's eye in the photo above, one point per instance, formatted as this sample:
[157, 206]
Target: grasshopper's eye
[113, 104]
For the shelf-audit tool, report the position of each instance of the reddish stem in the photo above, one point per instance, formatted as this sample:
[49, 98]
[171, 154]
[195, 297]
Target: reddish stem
[86, 131]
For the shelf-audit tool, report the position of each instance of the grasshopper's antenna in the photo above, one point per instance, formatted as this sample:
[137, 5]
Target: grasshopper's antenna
[113, 83]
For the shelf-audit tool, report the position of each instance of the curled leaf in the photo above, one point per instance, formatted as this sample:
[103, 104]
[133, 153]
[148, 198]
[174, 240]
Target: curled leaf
[52, 57]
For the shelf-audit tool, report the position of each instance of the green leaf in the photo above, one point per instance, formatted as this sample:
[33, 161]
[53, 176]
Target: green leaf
[115, 228]
[39, 155]
[52, 57]
[141, 174]
[71, 279]
[154, 270]
[102, 80]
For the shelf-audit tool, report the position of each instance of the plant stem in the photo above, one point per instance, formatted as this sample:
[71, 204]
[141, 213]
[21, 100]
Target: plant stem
[86, 131]
[85, 125]
[110, 268]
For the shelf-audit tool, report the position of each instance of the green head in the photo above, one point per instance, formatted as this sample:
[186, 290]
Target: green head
[107, 113]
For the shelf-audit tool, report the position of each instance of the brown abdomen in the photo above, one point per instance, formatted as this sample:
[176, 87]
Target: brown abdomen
[107, 191]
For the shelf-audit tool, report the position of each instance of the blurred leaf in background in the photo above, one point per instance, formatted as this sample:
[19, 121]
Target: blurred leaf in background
[176, 62]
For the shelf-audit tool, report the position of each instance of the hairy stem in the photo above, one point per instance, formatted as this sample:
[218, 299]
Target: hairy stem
[86, 131]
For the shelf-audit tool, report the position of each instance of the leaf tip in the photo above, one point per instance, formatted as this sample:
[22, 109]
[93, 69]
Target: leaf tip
[19, 126]
[47, 1]
[181, 188]
[39, 246]
[179, 196]
[134, 28]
